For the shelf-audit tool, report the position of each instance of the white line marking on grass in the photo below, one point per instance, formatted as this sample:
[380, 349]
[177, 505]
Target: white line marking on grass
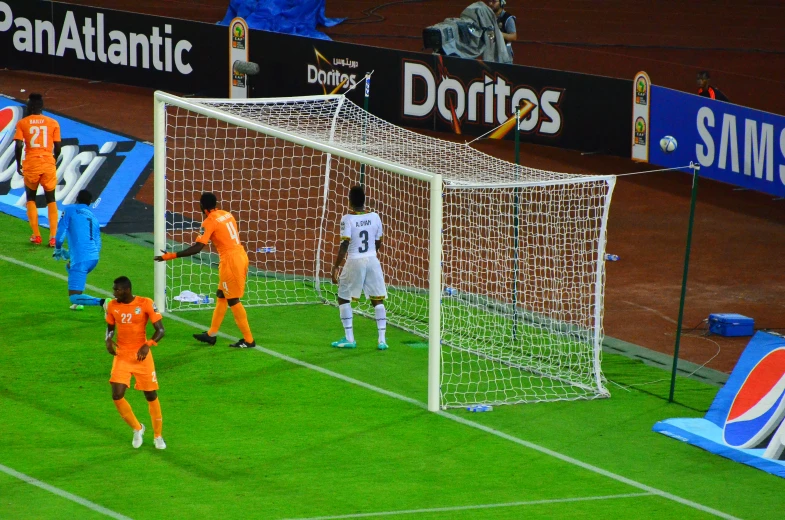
[481, 506]
[65, 494]
[456, 418]
[653, 311]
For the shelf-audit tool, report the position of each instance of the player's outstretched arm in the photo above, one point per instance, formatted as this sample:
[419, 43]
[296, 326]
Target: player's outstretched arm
[339, 260]
[195, 248]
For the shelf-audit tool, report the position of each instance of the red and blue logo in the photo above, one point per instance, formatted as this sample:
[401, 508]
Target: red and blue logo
[8, 118]
[759, 405]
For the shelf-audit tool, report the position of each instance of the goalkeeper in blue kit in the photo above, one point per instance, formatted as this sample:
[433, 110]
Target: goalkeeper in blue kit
[80, 227]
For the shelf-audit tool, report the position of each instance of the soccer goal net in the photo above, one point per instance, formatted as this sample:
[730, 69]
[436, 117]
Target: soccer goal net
[500, 267]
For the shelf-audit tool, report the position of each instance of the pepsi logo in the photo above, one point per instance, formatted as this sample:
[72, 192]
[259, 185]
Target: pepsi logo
[6, 118]
[759, 405]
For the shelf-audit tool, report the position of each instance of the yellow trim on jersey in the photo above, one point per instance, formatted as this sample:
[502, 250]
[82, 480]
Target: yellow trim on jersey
[345, 238]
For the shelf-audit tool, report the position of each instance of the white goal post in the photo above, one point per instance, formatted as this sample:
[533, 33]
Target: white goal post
[501, 267]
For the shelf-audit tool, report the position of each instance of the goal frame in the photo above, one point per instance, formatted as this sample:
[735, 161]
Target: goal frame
[162, 99]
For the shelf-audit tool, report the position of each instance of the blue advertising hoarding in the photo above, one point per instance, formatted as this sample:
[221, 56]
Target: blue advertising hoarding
[746, 421]
[105, 163]
[733, 144]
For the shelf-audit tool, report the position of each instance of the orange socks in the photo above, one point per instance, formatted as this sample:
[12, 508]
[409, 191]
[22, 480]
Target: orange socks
[241, 318]
[52, 209]
[155, 415]
[32, 216]
[128, 414]
[218, 316]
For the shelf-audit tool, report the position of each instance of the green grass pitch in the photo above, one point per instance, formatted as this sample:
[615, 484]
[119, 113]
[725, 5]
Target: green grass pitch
[256, 435]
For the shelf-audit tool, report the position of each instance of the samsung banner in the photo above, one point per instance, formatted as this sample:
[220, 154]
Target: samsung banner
[106, 164]
[113, 46]
[733, 144]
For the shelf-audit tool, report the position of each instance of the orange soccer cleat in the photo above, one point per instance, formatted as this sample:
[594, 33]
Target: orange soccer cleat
[52, 242]
[35, 240]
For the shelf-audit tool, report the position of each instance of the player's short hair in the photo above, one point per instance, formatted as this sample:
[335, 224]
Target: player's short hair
[208, 200]
[35, 103]
[704, 74]
[357, 197]
[84, 197]
[124, 282]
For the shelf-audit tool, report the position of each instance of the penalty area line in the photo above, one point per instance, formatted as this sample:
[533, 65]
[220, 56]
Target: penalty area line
[474, 507]
[447, 415]
[64, 494]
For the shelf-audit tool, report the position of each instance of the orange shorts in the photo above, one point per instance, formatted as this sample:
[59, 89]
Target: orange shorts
[143, 371]
[232, 274]
[40, 174]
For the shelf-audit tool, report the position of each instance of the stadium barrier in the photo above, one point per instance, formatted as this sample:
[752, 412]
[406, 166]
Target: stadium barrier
[562, 109]
[733, 144]
[746, 421]
[110, 165]
[113, 46]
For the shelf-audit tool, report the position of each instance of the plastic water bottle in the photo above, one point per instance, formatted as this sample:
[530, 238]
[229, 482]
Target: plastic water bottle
[480, 408]
[203, 298]
[449, 291]
[266, 250]
[612, 258]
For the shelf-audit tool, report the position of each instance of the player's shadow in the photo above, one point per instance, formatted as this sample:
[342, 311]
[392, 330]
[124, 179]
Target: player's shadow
[54, 408]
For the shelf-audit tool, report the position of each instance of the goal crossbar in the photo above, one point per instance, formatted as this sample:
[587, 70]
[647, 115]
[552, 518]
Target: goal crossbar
[529, 243]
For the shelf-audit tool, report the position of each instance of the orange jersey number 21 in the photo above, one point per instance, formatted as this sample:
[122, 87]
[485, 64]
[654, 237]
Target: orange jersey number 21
[35, 133]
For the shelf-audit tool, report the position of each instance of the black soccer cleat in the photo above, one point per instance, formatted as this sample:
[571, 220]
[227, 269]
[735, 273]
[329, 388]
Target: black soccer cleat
[243, 344]
[204, 337]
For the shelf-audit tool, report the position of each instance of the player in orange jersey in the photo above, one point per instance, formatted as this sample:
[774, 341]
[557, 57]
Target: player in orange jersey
[128, 316]
[39, 136]
[220, 227]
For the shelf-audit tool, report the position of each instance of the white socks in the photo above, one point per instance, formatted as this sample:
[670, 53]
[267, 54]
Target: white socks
[346, 318]
[381, 321]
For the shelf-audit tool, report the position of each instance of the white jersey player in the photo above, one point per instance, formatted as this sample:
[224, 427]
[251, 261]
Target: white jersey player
[361, 238]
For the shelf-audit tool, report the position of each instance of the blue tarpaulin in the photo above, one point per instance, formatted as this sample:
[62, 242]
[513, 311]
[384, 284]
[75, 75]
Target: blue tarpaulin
[299, 17]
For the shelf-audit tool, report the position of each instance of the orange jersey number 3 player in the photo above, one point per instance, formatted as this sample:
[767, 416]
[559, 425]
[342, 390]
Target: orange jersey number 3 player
[220, 228]
[39, 136]
[127, 315]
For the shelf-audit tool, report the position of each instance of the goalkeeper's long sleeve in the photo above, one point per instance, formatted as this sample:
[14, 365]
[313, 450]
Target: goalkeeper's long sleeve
[62, 229]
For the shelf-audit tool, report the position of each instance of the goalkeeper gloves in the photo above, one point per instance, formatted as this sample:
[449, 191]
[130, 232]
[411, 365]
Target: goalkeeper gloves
[61, 254]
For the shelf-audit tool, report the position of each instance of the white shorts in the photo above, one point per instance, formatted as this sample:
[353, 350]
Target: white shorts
[362, 274]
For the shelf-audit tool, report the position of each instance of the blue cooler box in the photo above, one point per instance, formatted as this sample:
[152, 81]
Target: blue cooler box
[731, 325]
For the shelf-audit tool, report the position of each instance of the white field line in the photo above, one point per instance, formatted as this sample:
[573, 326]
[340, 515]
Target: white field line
[446, 415]
[480, 506]
[65, 494]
